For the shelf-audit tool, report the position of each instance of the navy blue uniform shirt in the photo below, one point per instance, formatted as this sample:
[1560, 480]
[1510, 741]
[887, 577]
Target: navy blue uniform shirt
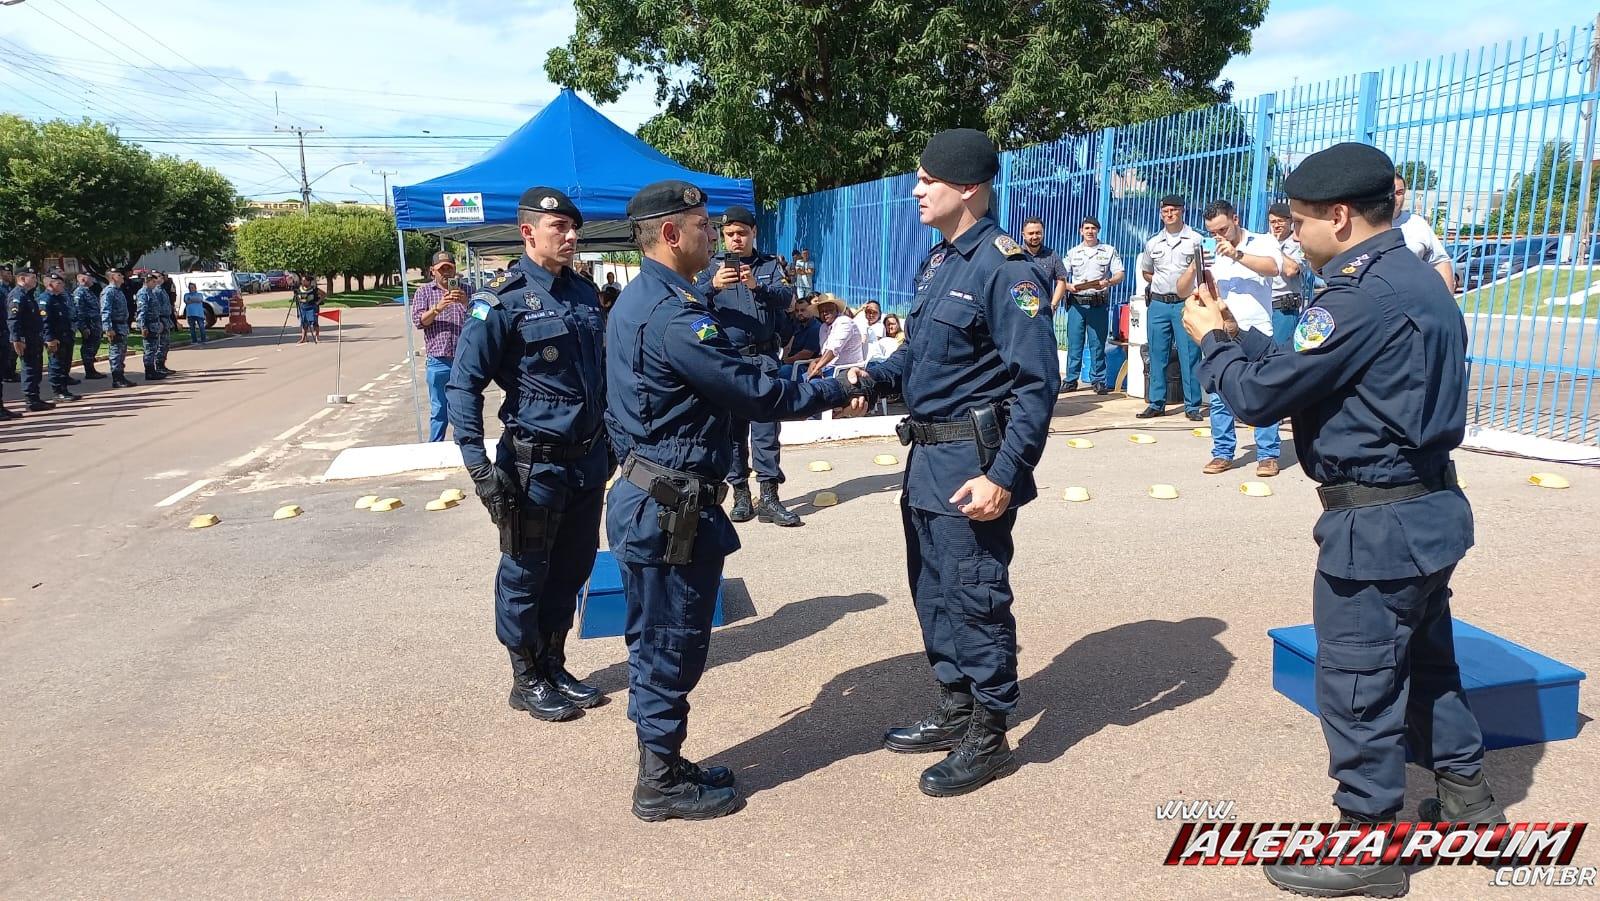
[675, 384]
[113, 309]
[749, 317]
[25, 314]
[58, 317]
[1376, 386]
[85, 309]
[978, 333]
[539, 337]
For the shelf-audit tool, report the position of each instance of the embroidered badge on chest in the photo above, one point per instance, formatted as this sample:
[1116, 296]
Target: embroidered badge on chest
[550, 354]
[532, 300]
[934, 262]
[1027, 297]
[1314, 327]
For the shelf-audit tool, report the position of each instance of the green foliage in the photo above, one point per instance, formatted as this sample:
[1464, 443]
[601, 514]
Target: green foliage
[1417, 175]
[1548, 198]
[810, 95]
[78, 190]
[332, 240]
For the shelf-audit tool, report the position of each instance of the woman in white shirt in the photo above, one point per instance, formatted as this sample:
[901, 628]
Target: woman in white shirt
[884, 347]
[870, 318]
[844, 343]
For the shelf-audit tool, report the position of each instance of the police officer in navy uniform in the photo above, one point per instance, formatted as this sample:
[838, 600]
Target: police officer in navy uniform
[114, 322]
[26, 312]
[676, 387]
[58, 336]
[151, 299]
[979, 375]
[8, 355]
[1375, 382]
[86, 322]
[537, 333]
[749, 294]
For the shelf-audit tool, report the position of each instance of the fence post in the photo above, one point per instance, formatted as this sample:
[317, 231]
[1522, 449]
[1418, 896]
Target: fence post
[883, 243]
[1003, 193]
[1108, 148]
[1260, 157]
[1367, 108]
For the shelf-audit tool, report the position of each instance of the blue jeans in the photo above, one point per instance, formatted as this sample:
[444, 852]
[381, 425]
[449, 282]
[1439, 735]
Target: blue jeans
[1165, 328]
[197, 330]
[1084, 320]
[438, 372]
[1224, 443]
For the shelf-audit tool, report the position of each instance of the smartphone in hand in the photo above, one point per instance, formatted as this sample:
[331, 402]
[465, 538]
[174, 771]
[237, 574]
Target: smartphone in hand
[453, 283]
[1203, 276]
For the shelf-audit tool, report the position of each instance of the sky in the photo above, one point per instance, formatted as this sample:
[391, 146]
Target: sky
[423, 87]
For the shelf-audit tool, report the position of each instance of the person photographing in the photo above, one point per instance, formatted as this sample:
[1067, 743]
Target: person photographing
[439, 310]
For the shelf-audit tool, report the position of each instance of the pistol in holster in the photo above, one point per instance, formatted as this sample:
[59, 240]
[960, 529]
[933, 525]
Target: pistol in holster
[679, 517]
[988, 430]
[525, 528]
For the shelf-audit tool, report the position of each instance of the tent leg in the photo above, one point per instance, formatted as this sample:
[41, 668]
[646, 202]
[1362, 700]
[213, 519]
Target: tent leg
[411, 335]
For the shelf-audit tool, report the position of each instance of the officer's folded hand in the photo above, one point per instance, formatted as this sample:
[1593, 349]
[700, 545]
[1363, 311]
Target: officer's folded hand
[987, 500]
[19, 347]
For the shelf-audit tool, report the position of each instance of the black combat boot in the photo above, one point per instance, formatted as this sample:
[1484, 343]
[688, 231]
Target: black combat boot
[39, 405]
[1341, 880]
[119, 380]
[709, 776]
[663, 792]
[553, 665]
[983, 756]
[770, 509]
[152, 375]
[742, 510]
[530, 691]
[1461, 800]
[90, 373]
[65, 396]
[6, 414]
[940, 730]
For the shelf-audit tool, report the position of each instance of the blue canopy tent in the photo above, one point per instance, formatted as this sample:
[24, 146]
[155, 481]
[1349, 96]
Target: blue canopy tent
[569, 146]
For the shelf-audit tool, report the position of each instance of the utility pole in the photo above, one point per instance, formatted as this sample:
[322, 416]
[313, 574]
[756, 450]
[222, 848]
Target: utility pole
[385, 173]
[1580, 254]
[305, 185]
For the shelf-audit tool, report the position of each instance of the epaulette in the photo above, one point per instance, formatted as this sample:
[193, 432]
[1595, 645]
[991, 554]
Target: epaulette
[1010, 248]
[690, 298]
[1355, 266]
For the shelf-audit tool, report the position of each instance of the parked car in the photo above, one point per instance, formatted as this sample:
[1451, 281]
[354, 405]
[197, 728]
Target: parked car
[278, 280]
[250, 282]
[1494, 262]
[219, 288]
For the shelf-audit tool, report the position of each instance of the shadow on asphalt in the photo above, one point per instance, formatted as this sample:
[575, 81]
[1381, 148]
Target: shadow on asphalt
[860, 486]
[1119, 676]
[731, 644]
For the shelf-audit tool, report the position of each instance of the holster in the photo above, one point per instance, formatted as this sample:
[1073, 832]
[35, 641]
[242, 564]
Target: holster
[525, 528]
[681, 497]
[988, 430]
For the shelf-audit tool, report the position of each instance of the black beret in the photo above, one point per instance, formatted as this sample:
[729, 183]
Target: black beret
[1350, 171]
[25, 270]
[1090, 220]
[56, 273]
[961, 156]
[1281, 210]
[115, 270]
[1172, 200]
[663, 198]
[739, 214]
[5, 267]
[549, 200]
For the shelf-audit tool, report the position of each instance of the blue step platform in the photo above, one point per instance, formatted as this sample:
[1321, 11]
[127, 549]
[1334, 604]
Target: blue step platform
[602, 611]
[1520, 697]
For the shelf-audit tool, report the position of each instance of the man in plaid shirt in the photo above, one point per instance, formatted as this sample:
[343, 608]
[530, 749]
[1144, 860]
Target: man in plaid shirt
[439, 308]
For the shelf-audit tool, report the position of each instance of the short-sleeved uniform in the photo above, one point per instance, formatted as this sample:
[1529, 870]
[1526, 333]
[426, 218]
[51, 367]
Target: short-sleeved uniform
[1375, 382]
[1170, 254]
[26, 312]
[539, 337]
[979, 333]
[675, 386]
[753, 321]
[1288, 293]
[1089, 312]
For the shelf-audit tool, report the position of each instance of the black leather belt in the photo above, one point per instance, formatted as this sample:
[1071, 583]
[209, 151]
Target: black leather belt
[1288, 303]
[1166, 298]
[911, 431]
[1091, 299]
[528, 453]
[760, 348]
[1344, 495]
[649, 476]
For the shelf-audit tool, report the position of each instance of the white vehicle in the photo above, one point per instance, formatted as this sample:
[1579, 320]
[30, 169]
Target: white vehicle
[219, 288]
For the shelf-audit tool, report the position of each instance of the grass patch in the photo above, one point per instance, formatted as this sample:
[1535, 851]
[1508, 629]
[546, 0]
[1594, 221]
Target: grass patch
[374, 297]
[1531, 293]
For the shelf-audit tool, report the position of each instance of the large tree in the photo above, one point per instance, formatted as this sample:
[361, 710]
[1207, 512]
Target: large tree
[1549, 198]
[810, 94]
[332, 240]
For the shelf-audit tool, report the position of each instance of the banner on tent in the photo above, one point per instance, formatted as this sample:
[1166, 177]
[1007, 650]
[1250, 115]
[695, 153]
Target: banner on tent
[463, 207]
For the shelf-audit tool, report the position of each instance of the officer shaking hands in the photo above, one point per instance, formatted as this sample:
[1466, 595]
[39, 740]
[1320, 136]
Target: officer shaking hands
[979, 376]
[1375, 381]
[536, 332]
[676, 387]
[747, 292]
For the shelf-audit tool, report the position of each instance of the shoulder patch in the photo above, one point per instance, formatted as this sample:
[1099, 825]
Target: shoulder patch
[1010, 248]
[1026, 295]
[480, 310]
[1314, 327]
[485, 297]
[704, 328]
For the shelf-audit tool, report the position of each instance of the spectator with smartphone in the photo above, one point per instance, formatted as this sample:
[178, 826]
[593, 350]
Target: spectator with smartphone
[1243, 266]
[439, 309]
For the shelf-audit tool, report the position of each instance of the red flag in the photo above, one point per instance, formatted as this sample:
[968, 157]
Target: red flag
[330, 314]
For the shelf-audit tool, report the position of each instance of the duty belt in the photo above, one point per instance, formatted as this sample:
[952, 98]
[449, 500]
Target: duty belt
[1286, 302]
[1091, 298]
[669, 486]
[760, 348]
[528, 452]
[911, 431]
[1344, 495]
[1166, 298]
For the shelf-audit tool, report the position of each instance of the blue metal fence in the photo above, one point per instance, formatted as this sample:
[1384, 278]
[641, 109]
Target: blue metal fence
[1498, 142]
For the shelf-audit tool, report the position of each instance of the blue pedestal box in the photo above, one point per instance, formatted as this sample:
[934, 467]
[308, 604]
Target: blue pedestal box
[602, 610]
[1520, 697]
